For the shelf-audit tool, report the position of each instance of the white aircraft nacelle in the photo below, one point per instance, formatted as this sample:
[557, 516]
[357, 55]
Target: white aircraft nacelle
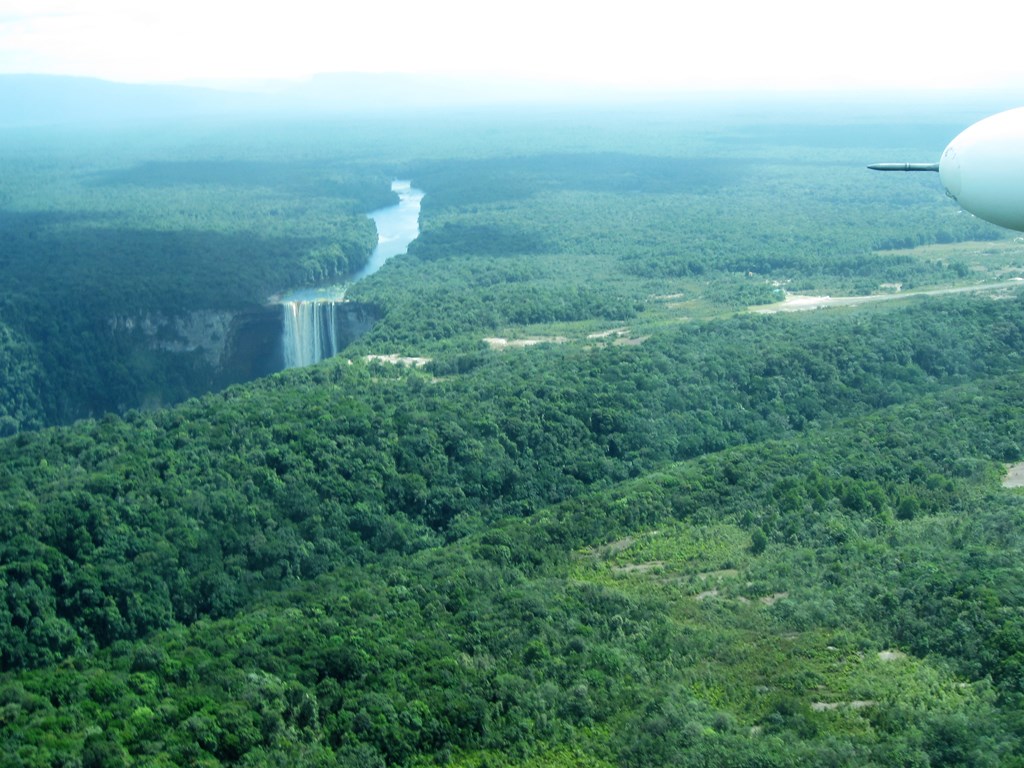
[983, 169]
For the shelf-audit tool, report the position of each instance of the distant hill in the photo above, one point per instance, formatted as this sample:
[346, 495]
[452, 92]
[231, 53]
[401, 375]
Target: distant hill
[37, 100]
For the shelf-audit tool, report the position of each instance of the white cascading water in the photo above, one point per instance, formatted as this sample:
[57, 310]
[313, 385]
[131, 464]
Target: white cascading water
[312, 316]
[310, 332]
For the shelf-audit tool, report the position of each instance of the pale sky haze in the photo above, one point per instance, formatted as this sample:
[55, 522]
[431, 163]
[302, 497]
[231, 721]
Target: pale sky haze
[641, 44]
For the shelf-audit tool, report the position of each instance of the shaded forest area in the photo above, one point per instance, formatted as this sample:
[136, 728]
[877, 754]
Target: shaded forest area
[155, 228]
[662, 531]
[106, 253]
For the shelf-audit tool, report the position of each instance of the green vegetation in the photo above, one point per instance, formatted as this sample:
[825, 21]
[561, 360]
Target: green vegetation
[101, 263]
[668, 533]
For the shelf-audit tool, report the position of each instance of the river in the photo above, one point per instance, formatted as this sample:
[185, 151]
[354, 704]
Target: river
[313, 316]
[397, 226]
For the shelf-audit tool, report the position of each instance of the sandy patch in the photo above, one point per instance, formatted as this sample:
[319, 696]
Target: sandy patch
[619, 545]
[1014, 476]
[891, 655]
[772, 599]
[706, 594]
[610, 332]
[496, 342]
[612, 548]
[415, 362]
[630, 342]
[725, 573]
[639, 567]
[826, 706]
[618, 336]
[796, 302]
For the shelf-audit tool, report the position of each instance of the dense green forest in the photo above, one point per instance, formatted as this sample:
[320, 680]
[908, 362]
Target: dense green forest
[100, 259]
[611, 518]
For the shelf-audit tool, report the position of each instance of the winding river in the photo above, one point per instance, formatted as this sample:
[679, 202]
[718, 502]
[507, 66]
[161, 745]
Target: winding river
[397, 226]
[313, 317]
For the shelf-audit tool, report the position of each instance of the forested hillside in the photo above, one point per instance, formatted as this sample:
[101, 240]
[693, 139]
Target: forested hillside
[609, 518]
[114, 262]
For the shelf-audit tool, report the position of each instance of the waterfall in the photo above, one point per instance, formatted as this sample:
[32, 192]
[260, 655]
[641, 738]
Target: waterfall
[318, 322]
[310, 332]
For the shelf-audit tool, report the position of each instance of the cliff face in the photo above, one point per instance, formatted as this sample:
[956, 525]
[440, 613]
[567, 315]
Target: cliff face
[20, 384]
[222, 347]
[205, 331]
[154, 359]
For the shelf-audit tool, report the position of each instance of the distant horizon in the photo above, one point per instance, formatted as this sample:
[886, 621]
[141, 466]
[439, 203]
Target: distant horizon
[645, 48]
[269, 86]
[40, 99]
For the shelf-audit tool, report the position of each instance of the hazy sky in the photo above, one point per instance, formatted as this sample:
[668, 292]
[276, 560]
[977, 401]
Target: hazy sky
[710, 44]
